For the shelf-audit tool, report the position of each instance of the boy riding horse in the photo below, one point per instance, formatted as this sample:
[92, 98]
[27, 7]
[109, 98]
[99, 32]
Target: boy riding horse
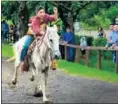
[37, 27]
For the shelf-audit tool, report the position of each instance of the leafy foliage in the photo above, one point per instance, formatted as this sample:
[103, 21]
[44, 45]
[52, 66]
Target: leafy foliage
[99, 42]
[89, 40]
[102, 42]
[90, 14]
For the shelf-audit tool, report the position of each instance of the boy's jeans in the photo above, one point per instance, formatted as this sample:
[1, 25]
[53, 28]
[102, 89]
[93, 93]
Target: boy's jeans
[25, 47]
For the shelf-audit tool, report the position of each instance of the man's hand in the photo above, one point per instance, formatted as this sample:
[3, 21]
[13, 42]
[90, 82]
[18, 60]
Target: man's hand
[113, 46]
[42, 32]
[29, 24]
[65, 42]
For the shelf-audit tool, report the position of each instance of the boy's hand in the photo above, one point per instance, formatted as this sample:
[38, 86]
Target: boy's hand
[29, 24]
[55, 10]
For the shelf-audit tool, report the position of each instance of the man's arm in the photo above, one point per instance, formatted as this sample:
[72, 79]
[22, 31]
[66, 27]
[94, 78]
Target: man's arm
[110, 38]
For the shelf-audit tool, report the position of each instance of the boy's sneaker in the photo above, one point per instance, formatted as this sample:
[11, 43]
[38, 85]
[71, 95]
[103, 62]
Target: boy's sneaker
[53, 64]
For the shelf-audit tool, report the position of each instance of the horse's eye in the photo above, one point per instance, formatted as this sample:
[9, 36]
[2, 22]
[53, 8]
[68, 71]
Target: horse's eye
[50, 40]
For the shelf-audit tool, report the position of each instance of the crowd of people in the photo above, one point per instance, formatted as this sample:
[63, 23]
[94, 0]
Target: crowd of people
[112, 41]
[9, 29]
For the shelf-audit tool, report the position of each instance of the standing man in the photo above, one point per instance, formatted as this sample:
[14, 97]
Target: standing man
[5, 30]
[68, 37]
[113, 40]
[109, 40]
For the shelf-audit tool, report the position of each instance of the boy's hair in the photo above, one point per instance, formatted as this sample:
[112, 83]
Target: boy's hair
[68, 27]
[3, 21]
[39, 8]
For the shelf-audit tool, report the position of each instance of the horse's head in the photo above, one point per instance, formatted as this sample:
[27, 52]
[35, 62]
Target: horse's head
[53, 41]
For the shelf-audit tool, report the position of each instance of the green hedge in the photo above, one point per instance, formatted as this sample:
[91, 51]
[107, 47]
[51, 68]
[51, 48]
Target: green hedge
[89, 40]
[102, 42]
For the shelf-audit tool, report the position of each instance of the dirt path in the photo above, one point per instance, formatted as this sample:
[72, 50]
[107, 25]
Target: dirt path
[62, 88]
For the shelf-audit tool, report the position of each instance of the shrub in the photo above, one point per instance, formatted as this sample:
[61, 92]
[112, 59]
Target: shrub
[102, 42]
[99, 42]
[89, 40]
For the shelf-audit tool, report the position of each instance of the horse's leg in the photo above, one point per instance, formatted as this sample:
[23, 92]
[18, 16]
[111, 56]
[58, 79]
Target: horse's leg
[38, 88]
[42, 77]
[15, 75]
[46, 74]
[32, 75]
[43, 87]
[31, 67]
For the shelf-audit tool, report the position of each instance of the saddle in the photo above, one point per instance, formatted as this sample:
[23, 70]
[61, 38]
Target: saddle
[32, 46]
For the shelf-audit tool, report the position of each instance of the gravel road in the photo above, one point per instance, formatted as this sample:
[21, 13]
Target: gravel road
[62, 88]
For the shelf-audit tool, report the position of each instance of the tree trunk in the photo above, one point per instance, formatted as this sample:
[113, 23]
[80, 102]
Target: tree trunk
[70, 21]
[23, 18]
[63, 16]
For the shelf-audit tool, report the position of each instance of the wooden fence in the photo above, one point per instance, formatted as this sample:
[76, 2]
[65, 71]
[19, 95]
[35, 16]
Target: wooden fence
[88, 49]
[9, 37]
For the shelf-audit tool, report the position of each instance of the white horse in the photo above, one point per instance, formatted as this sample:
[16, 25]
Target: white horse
[40, 59]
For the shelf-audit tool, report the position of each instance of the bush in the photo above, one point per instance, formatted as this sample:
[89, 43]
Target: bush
[102, 42]
[89, 40]
[99, 42]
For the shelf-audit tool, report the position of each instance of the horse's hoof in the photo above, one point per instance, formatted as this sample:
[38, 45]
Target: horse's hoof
[47, 102]
[32, 78]
[14, 82]
[38, 94]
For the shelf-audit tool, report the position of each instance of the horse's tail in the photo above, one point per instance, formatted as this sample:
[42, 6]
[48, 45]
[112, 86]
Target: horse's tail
[14, 54]
[17, 47]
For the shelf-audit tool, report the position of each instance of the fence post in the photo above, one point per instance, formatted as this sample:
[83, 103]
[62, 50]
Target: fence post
[99, 59]
[65, 47]
[77, 55]
[7, 37]
[87, 57]
[116, 61]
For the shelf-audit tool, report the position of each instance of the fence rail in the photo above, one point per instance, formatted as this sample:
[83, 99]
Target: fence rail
[9, 37]
[88, 49]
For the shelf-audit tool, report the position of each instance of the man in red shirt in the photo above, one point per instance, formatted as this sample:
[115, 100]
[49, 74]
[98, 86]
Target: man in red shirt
[38, 25]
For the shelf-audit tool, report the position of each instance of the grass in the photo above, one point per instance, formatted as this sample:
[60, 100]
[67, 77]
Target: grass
[82, 70]
[79, 69]
[7, 50]
[106, 64]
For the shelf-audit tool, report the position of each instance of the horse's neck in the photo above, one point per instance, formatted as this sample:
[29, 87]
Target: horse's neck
[42, 46]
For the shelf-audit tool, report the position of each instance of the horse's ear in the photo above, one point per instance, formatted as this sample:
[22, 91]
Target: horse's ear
[55, 27]
[47, 27]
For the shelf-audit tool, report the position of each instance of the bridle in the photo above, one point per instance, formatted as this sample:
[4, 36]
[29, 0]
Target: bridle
[41, 39]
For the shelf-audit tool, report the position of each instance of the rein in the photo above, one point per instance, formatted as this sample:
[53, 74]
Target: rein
[41, 40]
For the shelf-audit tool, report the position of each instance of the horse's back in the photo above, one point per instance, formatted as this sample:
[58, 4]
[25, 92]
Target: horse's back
[18, 46]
